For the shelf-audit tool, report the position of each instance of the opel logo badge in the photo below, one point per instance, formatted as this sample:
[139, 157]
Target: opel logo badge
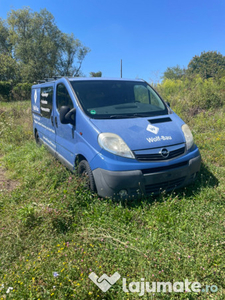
[164, 152]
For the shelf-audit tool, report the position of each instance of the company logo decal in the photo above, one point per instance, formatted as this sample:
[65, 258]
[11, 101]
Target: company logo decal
[35, 96]
[159, 138]
[152, 129]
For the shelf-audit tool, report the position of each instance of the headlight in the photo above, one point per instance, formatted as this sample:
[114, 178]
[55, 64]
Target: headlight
[188, 136]
[111, 142]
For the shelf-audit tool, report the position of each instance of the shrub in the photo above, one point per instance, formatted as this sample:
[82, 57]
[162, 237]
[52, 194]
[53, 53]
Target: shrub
[22, 91]
[5, 90]
[194, 93]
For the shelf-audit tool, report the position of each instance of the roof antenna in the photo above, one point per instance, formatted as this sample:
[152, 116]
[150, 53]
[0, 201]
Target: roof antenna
[121, 68]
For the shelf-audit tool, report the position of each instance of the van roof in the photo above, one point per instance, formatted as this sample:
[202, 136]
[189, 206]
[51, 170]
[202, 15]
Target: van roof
[52, 80]
[102, 78]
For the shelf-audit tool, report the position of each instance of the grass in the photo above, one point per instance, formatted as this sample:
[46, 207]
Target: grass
[54, 233]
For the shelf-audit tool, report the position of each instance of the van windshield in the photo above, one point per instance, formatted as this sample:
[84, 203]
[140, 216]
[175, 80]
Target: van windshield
[108, 99]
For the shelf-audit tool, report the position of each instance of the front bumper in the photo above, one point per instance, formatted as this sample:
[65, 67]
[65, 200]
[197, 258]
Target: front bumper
[146, 182]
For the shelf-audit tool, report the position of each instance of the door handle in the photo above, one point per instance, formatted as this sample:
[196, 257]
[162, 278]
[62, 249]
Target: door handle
[56, 122]
[52, 121]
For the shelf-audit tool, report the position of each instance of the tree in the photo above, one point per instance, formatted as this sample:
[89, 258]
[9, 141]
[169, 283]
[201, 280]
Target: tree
[34, 38]
[208, 65]
[174, 73]
[96, 74]
[9, 69]
[70, 49]
[39, 47]
[5, 46]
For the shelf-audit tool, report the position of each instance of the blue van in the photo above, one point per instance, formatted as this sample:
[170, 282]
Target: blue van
[118, 134]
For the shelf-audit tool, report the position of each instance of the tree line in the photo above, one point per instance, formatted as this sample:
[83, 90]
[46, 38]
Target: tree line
[32, 47]
[199, 87]
[209, 64]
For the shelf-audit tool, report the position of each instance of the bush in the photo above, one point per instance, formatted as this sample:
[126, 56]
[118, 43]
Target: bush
[207, 95]
[5, 90]
[22, 91]
[193, 93]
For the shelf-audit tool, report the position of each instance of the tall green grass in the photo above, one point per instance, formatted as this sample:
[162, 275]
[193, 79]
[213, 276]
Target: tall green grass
[54, 232]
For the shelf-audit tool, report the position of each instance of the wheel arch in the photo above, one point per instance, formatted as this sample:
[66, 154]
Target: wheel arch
[78, 159]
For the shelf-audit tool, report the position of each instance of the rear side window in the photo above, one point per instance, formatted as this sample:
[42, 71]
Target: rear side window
[63, 97]
[46, 101]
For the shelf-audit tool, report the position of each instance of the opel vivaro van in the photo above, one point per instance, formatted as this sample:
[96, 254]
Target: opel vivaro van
[118, 133]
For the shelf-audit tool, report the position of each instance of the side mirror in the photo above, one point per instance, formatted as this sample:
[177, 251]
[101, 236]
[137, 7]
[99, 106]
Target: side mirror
[168, 104]
[67, 115]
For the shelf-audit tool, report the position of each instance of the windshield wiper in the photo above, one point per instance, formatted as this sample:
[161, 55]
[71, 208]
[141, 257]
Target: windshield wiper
[122, 116]
[127, 116]
[141, 115]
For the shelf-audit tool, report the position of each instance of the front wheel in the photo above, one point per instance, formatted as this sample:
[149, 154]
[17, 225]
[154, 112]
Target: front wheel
[84, 171]
[37, 138]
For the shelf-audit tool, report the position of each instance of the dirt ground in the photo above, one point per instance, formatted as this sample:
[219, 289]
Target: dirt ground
[6, 184]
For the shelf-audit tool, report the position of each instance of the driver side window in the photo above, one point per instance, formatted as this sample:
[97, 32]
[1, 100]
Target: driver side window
[63, 97]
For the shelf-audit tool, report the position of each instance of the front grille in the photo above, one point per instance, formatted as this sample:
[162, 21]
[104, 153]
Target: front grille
[158, 156]
[164, 186]
[164, 168]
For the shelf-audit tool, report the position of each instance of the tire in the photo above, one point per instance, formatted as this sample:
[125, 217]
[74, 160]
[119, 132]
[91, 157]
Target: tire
[84, 171]
[37, 139]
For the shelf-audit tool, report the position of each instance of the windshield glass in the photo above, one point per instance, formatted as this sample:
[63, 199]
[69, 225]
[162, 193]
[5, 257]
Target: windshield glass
[105, 99]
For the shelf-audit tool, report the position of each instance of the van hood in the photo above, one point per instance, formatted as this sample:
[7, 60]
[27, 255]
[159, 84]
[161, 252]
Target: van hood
[144, 133]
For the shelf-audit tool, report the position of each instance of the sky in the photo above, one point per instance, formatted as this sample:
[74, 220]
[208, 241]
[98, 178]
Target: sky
[147, 35]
